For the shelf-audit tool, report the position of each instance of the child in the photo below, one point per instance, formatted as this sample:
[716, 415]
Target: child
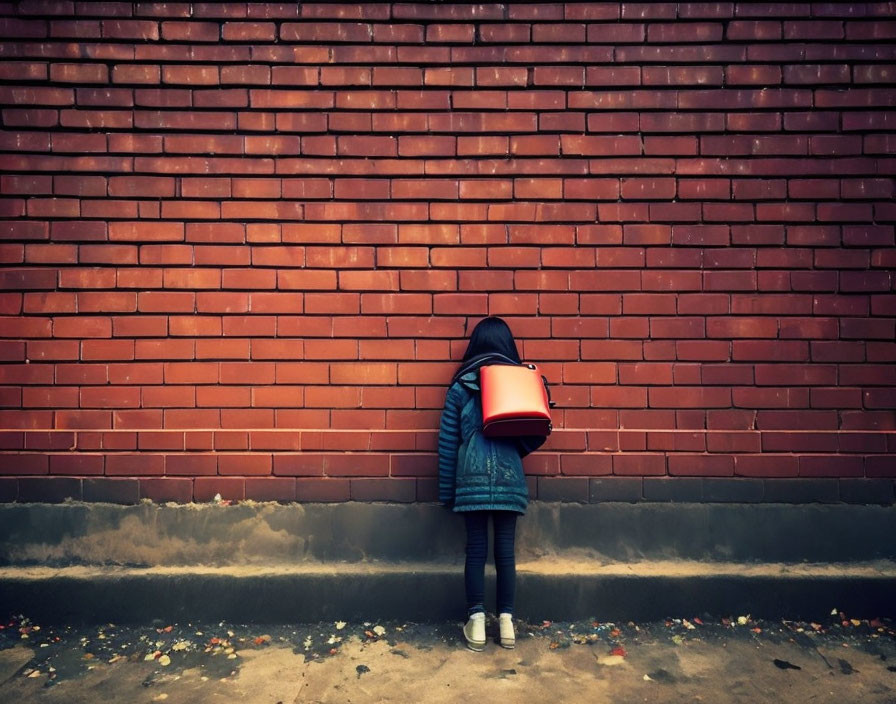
[483, 477]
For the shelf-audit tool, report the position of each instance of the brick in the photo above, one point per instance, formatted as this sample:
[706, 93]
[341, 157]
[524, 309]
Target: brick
[282, 489]
[867, 491]
[245, 464]
[143, 231]
[167, 489]
[48, 489]
[76, 463]
[392, 489]
[230, 488]
[733, 490]
[627, 489]
[635, 464]
[801, 490]
[326, 31]
[118, 491]
[322, 490]
[766, 465]
[701, 465]
[127, 464]
[27, 463]
[688, 489]
[831, 466]
[563, 489]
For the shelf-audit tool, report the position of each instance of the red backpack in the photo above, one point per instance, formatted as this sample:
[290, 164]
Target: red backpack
[515, 401]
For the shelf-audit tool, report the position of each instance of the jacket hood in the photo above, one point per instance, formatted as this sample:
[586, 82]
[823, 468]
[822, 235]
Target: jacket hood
[466, 374]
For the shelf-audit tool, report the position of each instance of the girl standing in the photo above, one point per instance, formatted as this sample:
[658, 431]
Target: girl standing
[482, 478]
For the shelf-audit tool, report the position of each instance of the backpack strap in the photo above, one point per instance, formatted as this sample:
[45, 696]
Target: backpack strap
[481, 360]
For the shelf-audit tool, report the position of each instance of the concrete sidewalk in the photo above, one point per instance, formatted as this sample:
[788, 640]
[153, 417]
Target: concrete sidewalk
[664, 661]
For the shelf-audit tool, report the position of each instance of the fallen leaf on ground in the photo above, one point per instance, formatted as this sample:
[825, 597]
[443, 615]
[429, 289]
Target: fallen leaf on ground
[784, 665]
[845, 667]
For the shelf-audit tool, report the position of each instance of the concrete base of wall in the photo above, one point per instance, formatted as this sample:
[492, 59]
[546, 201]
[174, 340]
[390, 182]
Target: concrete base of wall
[420, 592]
[292, 563]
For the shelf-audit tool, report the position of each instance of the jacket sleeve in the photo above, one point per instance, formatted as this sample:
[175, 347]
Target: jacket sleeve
[449, 441]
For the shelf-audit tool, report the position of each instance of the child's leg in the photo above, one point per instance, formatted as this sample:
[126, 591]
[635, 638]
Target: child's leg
[474, 567]
[505, 559]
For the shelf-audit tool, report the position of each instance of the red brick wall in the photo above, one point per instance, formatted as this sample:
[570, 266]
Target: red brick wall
[242, 244]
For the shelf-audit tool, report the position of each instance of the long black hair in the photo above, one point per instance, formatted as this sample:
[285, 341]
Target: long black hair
[491, 336]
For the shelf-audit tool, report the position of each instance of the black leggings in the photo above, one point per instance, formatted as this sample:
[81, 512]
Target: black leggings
[505, 562]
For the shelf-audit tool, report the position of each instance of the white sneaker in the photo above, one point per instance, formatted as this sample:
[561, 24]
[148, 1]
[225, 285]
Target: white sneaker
[474, 632]
[505, 626]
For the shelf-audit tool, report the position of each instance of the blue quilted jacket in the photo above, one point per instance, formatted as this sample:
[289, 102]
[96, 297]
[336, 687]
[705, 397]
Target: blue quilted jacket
[476, 473]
